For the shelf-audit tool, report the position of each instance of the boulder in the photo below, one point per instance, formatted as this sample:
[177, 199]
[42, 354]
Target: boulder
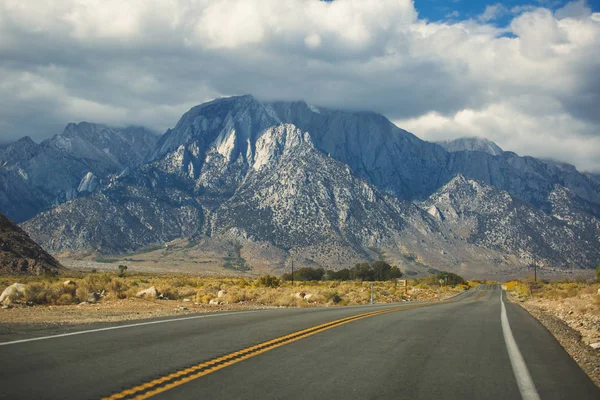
[221, 293]
[595, 346]
[214, 302]
[13, 292]
[148, 293]
[93, 298]
[69, 283]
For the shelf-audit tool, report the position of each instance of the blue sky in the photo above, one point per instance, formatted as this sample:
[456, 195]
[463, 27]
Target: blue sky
[458, 10]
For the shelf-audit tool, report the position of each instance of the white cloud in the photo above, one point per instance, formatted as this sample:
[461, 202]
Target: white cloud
[492, 12]
[147, 61]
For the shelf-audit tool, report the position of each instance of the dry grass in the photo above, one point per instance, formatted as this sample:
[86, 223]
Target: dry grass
[225, 290]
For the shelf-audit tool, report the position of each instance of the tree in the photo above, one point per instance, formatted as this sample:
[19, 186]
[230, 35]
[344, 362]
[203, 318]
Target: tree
[450, 278]
[362, 271]
[122, 269]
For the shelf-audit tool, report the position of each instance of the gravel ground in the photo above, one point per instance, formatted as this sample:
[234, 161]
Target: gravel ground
[570, 339]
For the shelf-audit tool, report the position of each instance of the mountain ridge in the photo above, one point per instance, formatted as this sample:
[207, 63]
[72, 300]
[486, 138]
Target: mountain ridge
[221, 172]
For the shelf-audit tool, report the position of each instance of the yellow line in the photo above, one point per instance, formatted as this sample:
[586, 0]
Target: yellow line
[252, 351]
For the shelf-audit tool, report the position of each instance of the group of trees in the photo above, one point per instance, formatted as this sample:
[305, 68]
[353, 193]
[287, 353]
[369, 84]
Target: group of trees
[377, 271]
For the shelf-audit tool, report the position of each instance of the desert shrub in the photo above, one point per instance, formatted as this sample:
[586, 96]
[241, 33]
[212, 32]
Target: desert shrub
[38, 293]
[268, 281]
[598, 274]
[333, 297]
[82, 293]
[65, 299]
[96, 282]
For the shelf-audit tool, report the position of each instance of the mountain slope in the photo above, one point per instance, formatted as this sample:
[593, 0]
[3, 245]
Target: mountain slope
[35, 177]
[21, 255]
[472, 144]
[492, 218]
[330, 187]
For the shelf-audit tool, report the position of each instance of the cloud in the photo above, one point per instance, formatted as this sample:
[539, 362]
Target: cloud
[492, 12]
[147, 61]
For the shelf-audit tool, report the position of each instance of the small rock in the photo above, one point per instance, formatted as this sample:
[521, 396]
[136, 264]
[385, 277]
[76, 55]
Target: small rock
[221, 293]
[595, 346]
[6, 306]
[149, 293]
[214, 302]
[308, 296]
[83, 303]
[93, 298]
[13, 292]
[186, 300]
[69, 283]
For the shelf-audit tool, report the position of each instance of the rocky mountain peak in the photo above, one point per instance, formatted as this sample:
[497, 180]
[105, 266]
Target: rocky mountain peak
[472, 144]
[215, 120]
[19, 151]
[118, 147]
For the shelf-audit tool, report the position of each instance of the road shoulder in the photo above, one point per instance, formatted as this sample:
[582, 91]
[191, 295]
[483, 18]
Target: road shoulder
[586, 357]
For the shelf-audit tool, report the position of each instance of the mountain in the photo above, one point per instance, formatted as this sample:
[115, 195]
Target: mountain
[412, 169]
[493, 219]
[471, 144]
[35, 177]
[118, 148]
[21, 255]
[329, 187]
[593, 176]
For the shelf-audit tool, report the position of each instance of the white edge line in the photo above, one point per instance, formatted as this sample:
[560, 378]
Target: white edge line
[524, 381]
[111, 328]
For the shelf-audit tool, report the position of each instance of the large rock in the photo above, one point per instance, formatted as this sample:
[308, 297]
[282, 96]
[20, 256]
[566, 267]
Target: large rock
[13, 292]
[149, 293]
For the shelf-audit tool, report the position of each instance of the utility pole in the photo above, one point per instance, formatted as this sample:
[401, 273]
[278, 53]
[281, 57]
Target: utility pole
[372, 291]
[534, 270]
[292, 272]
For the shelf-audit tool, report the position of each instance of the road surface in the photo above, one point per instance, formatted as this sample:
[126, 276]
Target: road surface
[449, 350]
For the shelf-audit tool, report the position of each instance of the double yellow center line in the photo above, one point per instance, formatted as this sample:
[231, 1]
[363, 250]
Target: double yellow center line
[186, 375]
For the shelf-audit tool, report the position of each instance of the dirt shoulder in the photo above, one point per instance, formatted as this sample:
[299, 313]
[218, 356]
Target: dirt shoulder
[574, 322]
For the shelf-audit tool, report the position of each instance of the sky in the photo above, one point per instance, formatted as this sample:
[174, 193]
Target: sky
[524, 74]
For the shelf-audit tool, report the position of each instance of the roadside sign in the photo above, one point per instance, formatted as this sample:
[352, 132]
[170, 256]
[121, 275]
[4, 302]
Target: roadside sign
[402, 282]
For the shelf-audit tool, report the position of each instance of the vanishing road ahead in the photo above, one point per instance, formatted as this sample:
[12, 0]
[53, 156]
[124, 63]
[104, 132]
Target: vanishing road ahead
[467, 348]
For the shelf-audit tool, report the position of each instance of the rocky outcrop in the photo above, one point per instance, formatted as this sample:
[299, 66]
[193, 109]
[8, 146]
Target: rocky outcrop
[21, 255]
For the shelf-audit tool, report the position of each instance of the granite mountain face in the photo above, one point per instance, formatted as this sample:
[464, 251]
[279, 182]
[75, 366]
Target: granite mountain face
[36, 177]
[327, 186]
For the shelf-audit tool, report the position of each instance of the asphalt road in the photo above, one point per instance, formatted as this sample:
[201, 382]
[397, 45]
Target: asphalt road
[454, 350]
